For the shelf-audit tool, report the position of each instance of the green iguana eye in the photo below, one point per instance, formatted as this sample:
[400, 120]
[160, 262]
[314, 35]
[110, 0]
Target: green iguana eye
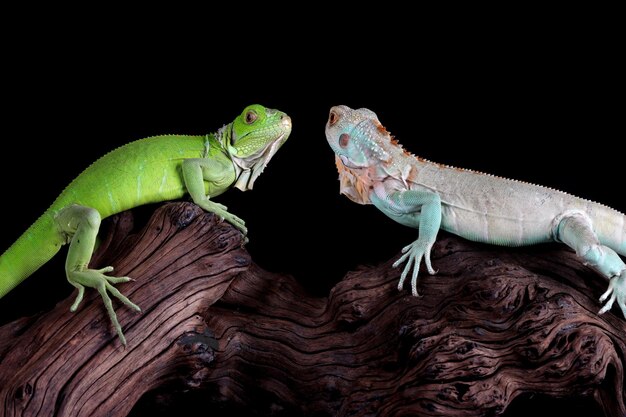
[250, 117]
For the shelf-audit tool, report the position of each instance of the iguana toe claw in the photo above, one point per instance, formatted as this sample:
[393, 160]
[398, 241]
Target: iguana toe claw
[230, 218]
[413, 255]
[405, 271]
[615, 292]
[96, 278]
[238, 223]
[118, 280]
[218, 206]
[414, 282]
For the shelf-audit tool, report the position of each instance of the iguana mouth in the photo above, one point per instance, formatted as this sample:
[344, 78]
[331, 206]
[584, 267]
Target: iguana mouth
[348, 163]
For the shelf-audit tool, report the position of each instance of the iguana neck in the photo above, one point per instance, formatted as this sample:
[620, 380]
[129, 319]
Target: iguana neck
[243, 172]
[357, 183]
[247, 170]
[224, 135]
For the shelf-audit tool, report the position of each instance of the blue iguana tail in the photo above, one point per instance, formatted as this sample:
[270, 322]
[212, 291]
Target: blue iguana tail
[30, 251]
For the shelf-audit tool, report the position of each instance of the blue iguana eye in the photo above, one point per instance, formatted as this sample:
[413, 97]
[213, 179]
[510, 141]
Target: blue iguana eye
[250, 117]
[333, 118]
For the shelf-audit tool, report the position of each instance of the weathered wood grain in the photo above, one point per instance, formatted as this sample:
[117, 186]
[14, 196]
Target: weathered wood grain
[493, 324]
[67, 364]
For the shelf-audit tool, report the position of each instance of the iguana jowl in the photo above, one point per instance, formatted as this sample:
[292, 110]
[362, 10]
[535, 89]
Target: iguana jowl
[149, 170]
[375, 169]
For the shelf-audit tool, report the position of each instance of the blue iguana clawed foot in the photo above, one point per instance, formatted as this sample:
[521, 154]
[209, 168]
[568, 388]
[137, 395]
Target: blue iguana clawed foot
[413, 255]
[96, 278]
[615, 292]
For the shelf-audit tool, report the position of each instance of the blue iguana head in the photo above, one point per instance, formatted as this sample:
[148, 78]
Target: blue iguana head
[357, 137]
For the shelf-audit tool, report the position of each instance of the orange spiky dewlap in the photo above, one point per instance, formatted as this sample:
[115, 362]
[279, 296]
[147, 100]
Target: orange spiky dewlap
[354, 184]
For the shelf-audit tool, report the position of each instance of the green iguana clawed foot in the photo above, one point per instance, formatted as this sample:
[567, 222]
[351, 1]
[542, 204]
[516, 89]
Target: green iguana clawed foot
[145, 171]
[375, 169]
[96, 278]
[221, 211]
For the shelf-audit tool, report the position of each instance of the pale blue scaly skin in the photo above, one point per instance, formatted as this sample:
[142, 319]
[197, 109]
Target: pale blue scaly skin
[149, 170]
[375, 169]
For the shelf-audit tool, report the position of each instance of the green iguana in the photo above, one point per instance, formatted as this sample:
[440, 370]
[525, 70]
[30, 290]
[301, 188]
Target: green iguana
[149, 170]
[375, 169]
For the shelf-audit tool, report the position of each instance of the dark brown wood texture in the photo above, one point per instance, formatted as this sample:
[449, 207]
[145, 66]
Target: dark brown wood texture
[495, 323]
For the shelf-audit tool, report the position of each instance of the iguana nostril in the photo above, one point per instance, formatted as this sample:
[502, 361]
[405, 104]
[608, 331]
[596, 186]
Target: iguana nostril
[343, 140]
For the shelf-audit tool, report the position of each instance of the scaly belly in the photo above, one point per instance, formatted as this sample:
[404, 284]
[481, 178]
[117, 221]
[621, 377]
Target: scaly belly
[512, 230]
[496, 210]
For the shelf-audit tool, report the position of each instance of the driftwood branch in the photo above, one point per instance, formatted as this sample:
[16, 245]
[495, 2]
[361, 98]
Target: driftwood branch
[492, 325]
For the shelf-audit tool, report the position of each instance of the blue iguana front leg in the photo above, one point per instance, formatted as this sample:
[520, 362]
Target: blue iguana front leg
[417, 209]
[576, 231]
[81, 224]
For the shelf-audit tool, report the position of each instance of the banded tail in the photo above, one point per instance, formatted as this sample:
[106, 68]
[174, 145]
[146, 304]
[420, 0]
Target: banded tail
[41, 241]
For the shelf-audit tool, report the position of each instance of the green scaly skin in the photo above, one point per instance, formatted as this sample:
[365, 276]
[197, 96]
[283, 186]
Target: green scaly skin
[375, 169]
[149, 170]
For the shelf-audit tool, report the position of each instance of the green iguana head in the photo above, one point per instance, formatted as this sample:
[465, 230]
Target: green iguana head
[253, 139]
[357, 137]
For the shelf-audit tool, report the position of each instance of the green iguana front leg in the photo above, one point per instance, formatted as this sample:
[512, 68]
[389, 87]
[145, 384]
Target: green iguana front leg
[81, 224]
[198, 170]
[417, 209]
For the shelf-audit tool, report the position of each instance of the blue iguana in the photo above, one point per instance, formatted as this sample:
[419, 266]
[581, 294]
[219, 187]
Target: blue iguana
[375, 169]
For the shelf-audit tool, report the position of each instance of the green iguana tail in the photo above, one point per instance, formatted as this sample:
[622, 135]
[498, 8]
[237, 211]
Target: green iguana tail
[30, 251]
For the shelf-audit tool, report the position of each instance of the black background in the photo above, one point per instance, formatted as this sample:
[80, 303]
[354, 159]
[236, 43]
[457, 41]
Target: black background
[530, 102]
